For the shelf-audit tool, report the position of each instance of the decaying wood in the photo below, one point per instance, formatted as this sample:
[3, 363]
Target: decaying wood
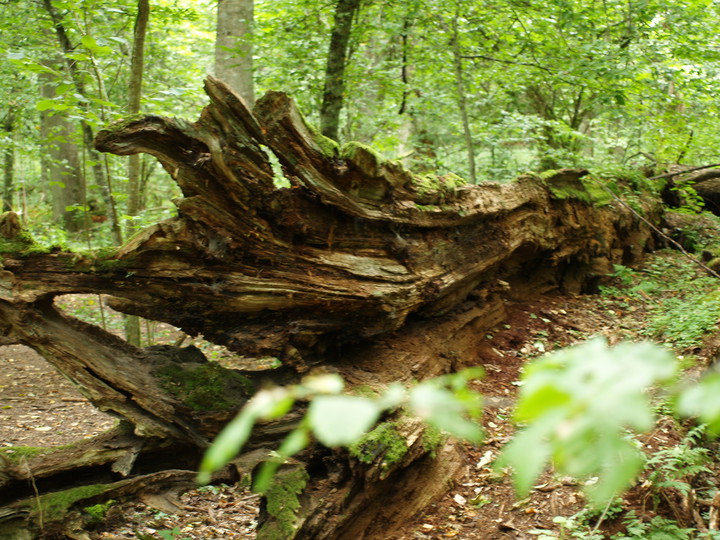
[359, 266]
[59, 516]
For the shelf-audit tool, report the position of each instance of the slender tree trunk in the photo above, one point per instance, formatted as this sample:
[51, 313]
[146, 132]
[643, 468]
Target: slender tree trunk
[135, 91]
[462, 99]
[102, 179]
[132, 322]
[62, 163]
[9, 159]
[234, 48]
[332, 102]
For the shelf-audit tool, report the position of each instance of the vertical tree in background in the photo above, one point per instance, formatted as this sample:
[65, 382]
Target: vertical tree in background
[78, 79]
[332, 101]
[454, 35]
[132, 322]
[135, 91]
[234, 48]
[8, 126]
[61, 162]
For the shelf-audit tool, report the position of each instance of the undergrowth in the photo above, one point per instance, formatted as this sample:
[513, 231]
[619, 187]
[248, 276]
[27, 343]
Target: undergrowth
[681, 304]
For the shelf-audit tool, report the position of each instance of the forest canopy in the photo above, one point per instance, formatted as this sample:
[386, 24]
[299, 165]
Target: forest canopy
[485, 90]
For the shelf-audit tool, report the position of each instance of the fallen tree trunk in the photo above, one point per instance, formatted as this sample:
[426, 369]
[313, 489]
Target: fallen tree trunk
[359, 265]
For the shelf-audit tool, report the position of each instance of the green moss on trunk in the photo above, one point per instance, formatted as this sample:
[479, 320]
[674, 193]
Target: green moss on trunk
[283, 503]
[54, 506]
[384, 443]
[204, 387]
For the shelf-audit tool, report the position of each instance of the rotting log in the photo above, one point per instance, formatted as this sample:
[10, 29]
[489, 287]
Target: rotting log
[359, 267]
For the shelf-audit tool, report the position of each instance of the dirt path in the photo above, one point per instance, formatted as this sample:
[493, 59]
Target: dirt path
[38, 406]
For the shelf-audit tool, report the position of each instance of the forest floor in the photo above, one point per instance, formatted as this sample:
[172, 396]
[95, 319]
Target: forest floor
[38, 407]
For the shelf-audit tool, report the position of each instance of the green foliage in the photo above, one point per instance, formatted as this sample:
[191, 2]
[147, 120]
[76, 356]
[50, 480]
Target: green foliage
[584, 524]
[697, 232]
[658, 528]
[675, 466]
[683, 306]
[624, 274]
[702, 401]
[328, 415]
[448, 404]
[577, 404]
[686, 319]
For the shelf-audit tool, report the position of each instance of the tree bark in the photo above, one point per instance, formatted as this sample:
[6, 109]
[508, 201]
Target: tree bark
[135, 91]
[64, 171]
[234, 47]
[453, 31]
[8, 125]
[334, 89]
[102, 179]
[132, 322]
[359, 267]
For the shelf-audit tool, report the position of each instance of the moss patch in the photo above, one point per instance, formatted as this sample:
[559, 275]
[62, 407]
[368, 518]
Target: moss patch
[22, 245]
[97, 512]
[569, 185]
[93, 261]
[431, 183]
[15, 454]
[432, 439]
[383, 442]
[126, 122]
[55, 506]
[364, 157]
[326, 145]
[283, 503]
[204, 387]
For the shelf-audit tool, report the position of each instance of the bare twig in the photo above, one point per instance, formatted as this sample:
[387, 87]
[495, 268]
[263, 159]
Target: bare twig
[602, 516]
[37, 498]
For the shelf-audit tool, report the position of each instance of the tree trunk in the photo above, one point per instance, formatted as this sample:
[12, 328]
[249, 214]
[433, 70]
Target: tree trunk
[101, 178]
[9, 158]
[234, 47]
[453, 31]
[332, 102]
[135, 91]
[132, 322]
[359, 267]
[65, 176]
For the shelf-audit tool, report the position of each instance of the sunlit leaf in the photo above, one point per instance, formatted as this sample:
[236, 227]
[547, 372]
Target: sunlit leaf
[341, 420]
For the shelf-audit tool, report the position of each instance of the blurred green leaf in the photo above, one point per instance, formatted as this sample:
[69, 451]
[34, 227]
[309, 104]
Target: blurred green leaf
[341, 420]
[579, 403]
